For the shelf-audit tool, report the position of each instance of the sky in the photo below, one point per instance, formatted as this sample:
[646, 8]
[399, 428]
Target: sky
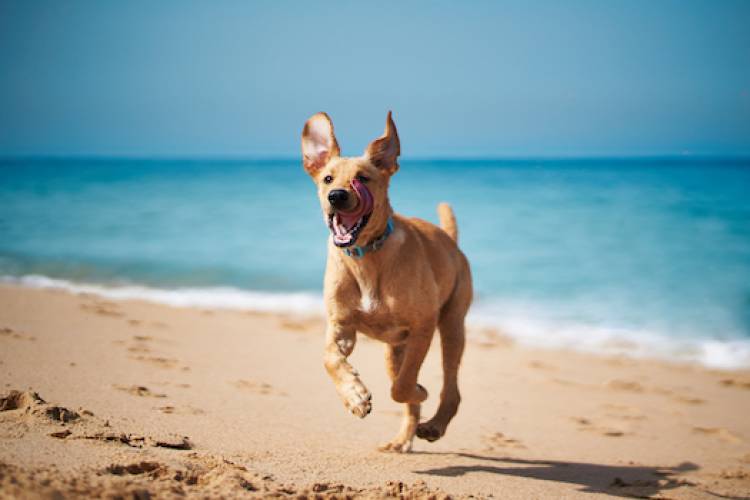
[464, 79]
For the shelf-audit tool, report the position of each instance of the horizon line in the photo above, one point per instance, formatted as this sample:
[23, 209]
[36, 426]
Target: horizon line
[743, 157]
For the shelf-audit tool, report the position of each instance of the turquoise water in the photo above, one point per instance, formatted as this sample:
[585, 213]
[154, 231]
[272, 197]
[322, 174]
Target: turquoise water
[649, 256]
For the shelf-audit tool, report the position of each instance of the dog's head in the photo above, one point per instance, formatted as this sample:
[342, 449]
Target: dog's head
[353, 192]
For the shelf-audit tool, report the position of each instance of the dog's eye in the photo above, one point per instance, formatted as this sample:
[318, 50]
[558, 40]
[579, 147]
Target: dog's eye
[328, 179]
[362, 178]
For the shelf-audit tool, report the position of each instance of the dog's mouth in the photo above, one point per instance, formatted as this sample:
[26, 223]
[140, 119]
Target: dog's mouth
[344, 236]
[346, 225]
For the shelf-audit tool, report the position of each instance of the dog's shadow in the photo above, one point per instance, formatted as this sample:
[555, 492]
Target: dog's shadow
[618, 480]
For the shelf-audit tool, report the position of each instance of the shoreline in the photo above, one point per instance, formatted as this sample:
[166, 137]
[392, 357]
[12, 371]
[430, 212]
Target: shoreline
[722, 354]
[249, 392]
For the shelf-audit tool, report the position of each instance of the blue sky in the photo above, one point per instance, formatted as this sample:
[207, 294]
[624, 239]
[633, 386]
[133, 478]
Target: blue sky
[574, 78]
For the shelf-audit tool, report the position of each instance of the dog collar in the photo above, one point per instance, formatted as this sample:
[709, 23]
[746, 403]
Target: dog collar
[357, 252]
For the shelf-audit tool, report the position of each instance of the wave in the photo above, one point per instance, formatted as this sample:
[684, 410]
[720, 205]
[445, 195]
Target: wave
[540, 327]
[523, 323]
[209, 297]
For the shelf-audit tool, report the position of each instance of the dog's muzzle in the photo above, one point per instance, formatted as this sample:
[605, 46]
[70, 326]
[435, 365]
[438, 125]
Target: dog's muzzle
[347, 224]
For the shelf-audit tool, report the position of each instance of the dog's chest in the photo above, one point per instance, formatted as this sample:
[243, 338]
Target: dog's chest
[376, 314]
[369, 299]
[374, 298]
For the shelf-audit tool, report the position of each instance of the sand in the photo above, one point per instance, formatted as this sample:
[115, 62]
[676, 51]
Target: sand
[131, 399]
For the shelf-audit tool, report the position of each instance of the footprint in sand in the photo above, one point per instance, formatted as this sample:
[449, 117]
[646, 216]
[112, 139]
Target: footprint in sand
[171, 441]
[585, 424]
[140, 344]
[182, 410]
[637, 387]
[680, 398]
[140, 351]
[497, 440]
[158, 361]
[690, 400]
[645, 488]
[103, 308]
[139, 348]
[139, 390]
[61, 434]
[170, 383]
[9, 332]
[258, 387]
[719, 433]
[742, 474]
[153, 469]
[735, 383]
[624, 385]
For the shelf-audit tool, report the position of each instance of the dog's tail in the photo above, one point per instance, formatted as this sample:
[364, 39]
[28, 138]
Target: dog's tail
[448, 220]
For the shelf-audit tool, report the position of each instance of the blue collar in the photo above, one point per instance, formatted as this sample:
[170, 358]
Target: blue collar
[358, 252]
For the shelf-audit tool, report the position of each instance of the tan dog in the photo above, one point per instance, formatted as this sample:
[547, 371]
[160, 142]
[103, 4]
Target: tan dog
[392, 278]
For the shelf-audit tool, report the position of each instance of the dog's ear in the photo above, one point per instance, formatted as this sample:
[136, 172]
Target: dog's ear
[384, 150]
[318, 143]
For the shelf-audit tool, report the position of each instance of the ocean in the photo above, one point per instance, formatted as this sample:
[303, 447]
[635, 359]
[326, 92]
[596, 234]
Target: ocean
[647, 257]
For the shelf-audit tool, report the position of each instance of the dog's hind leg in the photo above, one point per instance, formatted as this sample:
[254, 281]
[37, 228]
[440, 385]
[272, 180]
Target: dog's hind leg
[405, 388]
[394, 357]
[452, 340]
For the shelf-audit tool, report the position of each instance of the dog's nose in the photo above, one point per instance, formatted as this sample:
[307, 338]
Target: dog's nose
[338, 198]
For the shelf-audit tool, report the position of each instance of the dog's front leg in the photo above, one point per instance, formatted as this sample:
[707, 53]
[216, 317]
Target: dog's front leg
[339, 345]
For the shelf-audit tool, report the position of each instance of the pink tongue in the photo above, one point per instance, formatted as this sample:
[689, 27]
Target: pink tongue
[363, 207]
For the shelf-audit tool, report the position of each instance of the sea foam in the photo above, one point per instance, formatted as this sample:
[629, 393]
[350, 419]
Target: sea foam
[522, 323]
[208, 297]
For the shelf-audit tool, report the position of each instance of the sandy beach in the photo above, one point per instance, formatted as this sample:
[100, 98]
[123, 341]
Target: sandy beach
[133, 399]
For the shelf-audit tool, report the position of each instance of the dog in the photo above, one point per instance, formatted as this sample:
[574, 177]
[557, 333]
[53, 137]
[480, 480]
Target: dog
[393, 278]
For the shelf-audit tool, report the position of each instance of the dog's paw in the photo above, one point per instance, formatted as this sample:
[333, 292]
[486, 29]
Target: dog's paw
[430, 431]
[357, 398]
[396, 446]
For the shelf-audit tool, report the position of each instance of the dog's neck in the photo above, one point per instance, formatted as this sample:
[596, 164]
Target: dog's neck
[359, 251]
